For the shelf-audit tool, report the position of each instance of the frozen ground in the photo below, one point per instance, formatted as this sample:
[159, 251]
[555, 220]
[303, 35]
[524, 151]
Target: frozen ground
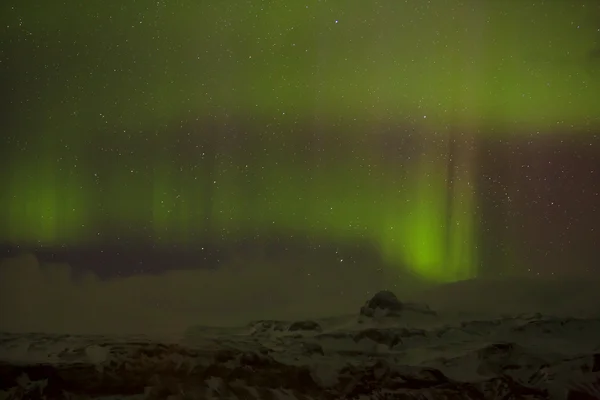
[487, 347]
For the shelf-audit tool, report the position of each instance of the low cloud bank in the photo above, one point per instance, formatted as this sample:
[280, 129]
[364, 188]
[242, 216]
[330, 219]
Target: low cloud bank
[38, 297]
[47, 297]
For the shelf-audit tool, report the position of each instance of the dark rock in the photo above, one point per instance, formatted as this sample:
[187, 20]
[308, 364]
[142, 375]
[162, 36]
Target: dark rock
[575, 394]
[412, 332]
[311, 348]
[384, 300]
[495, 349]
[255, 360]
[416, 383]
[264, 326]
[382, 336]
[596, 362]
[225, 355]
[307, 325]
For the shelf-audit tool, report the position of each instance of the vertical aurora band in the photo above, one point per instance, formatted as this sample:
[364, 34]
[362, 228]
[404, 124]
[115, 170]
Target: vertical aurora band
[418, 213]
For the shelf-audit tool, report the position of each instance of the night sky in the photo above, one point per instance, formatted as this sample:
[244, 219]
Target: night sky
[443, 139]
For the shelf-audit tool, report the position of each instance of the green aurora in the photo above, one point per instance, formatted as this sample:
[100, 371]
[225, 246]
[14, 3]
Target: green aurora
[109, 103]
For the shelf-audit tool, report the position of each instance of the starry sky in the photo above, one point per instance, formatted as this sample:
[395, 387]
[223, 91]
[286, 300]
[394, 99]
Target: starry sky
[444, 139]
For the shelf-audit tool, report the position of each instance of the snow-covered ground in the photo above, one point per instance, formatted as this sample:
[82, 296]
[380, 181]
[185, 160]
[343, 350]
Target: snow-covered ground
[387, 349]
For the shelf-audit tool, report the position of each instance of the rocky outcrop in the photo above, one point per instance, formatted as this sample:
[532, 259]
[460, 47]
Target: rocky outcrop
[160, 372]
[384, 381]
[307, 325]
[267, 326]
[385, 302]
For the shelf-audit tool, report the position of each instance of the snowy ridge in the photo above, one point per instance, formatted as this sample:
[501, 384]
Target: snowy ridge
[389, 350]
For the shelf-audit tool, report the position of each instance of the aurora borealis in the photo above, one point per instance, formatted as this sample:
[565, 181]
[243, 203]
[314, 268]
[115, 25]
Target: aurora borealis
[453, 138]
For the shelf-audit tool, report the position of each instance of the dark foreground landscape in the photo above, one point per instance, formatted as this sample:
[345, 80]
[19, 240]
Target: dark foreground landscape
[388, 350]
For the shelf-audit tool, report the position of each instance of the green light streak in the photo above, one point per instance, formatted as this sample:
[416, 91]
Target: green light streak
[421, 233]
[403, 209]
[44, 205]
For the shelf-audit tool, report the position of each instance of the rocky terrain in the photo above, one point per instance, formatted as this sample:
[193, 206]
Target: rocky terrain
[388, 350]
